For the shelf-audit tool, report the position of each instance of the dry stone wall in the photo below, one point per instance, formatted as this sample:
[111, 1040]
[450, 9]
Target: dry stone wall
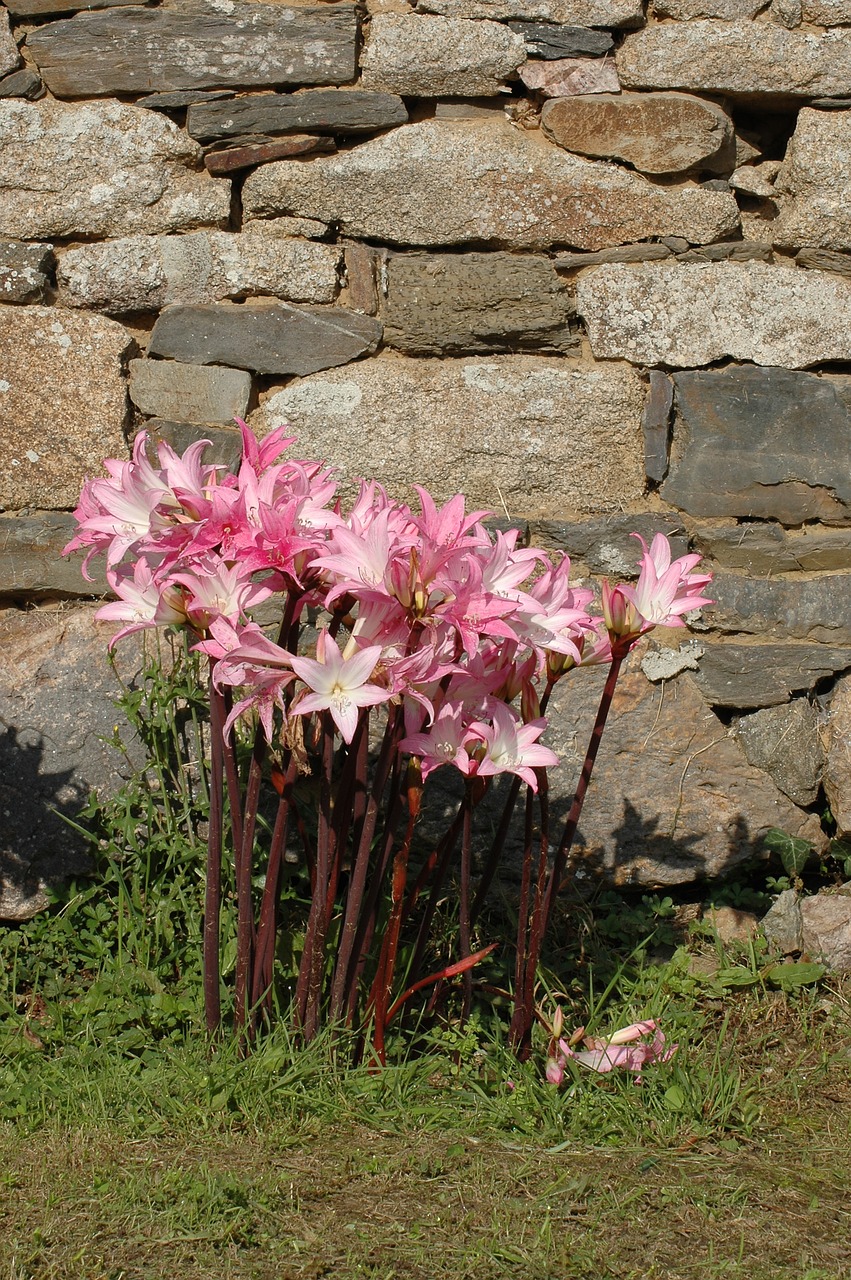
[587, 260]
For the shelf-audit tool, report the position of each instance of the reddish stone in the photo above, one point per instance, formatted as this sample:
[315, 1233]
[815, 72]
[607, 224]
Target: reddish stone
[298, 144]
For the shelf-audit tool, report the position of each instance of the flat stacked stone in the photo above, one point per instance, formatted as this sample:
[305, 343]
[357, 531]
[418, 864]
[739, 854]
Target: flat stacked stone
[145, 273]
[429, 56]
[451, 182]
[194, 393]
[745, 58]
[586, 13]
[550, 40]
[475, 302]
[265, 338]
[812, 183]
[762, 443]
[682, 315]
[767, 549]
[559, 435]
[765, 675]
[817, 609]
[100, 169]
[196, 47]
[63, 400]
[342, 111]
[655, 132]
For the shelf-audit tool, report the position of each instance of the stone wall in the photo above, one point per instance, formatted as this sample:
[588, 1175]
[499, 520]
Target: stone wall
[587, 260]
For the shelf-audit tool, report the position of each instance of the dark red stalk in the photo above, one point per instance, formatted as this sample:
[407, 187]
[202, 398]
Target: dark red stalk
[498, 842]
[345, 966]
[619, 653]
[245, 907]
[387, 962]
[519, 1017]
[465, 933]
[267, 924]
[310, 970]
[520, 1032]
[213, 888]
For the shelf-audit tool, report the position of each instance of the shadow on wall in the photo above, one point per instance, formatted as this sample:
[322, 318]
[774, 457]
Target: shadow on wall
[38, 849]
[645, 857]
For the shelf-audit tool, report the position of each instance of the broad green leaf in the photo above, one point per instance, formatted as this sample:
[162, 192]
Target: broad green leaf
[793, 852]
[790, 976]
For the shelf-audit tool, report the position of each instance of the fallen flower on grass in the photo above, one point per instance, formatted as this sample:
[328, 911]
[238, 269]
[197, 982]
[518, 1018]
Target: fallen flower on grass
[628, 1048]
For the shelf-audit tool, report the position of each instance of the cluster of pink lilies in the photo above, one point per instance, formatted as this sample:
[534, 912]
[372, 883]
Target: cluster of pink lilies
[459, 634]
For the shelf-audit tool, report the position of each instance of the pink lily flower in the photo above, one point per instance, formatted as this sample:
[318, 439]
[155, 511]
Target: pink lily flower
[338, 684]
[627, 1048]
[665, 590]
[512, 747]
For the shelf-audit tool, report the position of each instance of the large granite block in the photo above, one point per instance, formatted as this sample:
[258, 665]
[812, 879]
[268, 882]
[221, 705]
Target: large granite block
[446, 182]
[63, 402]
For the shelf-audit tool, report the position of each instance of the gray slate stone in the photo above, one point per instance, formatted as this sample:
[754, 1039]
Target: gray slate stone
[785, 742]
[22, 84]
[31, 561]
[225, 446]
[767, 443]
[178, 99]
[655, 423]
[824, 260]
[57, 718]
[550, 41]
[48, 8]
[767, 549]
[446, 182]
[814, 609]
[624, 253]
[730, 251]
[196, 47]
[273, 339]
[475, 302]
[341, 111]
[24, 271]
[826, 928]
[604, 544]
[765, 675]
[587, 13]
[195, 393]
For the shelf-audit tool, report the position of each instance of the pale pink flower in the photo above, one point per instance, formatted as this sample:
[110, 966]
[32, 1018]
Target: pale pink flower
[512, 747]
[338, 684]
[628, 1048]
[665, 590]
[444, 743]
[142, 601]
